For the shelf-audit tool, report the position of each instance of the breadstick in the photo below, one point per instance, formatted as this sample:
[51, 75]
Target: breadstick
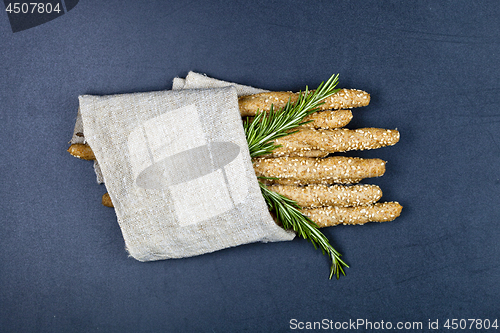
[106, 200]
[335, 140]
[324, 119]
[306, 153]
[313, 196]
[81, 150]
[305, 170]
[328, 119]
[334, 215]
[344, 98]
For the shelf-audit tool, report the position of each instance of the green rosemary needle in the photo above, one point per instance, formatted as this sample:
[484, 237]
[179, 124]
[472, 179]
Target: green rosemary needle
[261, 133]
[267, 127]
[288, 214]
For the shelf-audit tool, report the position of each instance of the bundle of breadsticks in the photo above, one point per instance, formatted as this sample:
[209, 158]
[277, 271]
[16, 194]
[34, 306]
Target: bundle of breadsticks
[305, 168]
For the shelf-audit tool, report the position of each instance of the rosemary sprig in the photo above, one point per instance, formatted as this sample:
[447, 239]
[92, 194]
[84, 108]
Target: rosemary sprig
[261, 133]
[288, 213]
[267, 127]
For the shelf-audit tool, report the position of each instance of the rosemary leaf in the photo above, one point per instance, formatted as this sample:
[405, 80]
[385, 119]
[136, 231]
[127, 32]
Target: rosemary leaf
[261, 133]
[267, 127]
[288, 214]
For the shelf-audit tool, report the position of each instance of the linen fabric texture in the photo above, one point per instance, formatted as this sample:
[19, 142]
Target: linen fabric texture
[192, 81]
[177, 168]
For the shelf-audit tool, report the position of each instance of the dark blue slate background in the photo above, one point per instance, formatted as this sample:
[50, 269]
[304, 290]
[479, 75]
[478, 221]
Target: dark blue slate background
[433, 71]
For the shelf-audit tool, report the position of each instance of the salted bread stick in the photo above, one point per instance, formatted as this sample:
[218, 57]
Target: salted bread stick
[306, 142]
[324, 119]
[334, 140]
[249, 105]
[298, 170]
[106, 200]
[335, 215]
[306, 153]
[343, 99]
[346, 99]
[82, 151]
[314, 196]
[328, 119]
[327, 171]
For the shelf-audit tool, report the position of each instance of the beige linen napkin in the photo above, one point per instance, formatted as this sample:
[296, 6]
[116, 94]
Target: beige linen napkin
[177, 168]
[192, 81]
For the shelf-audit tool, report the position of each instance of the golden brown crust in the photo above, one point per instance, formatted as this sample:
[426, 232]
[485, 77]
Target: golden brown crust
[330, 170]
[82, 151]
[343, 99]
[324, 119]
[305, 153]
[306, 143]
[250, 104]
[313, 196]
[334, 140]
[106, 200]
[346, 99]
[334, 215]
[328, 119]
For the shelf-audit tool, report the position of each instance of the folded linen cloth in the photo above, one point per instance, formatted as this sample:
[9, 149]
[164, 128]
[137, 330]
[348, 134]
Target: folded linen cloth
[196, 80]
[192, 81]
[177, 168]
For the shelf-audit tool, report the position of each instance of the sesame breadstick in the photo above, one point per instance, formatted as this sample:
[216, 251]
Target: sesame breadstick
[313, 196]
[82, 151]
[346, 99]
[334, 140]
[323, 119]
[305, 153]
[306, 170]
[328, 119]
[336, 169]
[343, 99]
[334, 215]
[106, 200]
